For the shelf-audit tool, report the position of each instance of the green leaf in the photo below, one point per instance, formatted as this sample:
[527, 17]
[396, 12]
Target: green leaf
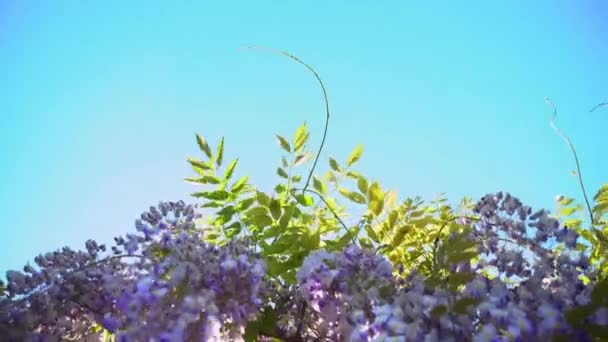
[233, 230]
[301, 159]
[439, 310]
[261, 220]
[376, 199]
[284, 143]
[366, 243]
[199, 164]
[567, 211]
[355, 155]
[362, 185]
[460, 278]
[263, 199]
[461, 306]
[344, 239]
[239, 185]
[458, 257]
[286, 217]
[206, 179]
[96, 328]
[282, 173]
[318, 185]
[226, 213]
[603, 191]
[275, 208]
[371, 233]
[230, 169]
[220, 153]
[300, 137]
[256, 211]
[391, 198]
[280, 188]
[353, 175]
[351, 195]
[202, 144]
[296, 178]
[244, 204]
[212, 205]
[281, 245]
[334, 164]
[304, 200]
[218, 195]
[311, 241]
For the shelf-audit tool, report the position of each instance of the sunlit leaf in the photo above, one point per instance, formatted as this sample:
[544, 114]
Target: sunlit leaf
[239, 185]
[318, 185]
[244, 204]
[334, 164]
[202, 144]
[371, 233]
[304, 200]
[219, 155]
[286, 217]
[354, 155]
[351, 195]
[282, 173]
[199, 164]
[462, 305]
[301, 159]
[275, 208]
[391, 198]
[284, 143]
[233, 230]
[263, 199]
[300, 137]
[362, 185]
[376, 198]
[206, 179]
[218, 195]
[230, 169]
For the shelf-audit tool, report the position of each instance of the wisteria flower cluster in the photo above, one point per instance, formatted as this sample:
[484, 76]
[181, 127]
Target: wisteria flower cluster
[177, 287]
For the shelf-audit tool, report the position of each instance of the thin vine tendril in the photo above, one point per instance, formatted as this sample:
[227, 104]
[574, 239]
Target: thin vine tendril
[287, 54]
[578, 166]
[598, 106]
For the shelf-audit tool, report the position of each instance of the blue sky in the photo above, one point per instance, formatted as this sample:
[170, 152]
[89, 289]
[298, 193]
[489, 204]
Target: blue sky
[100, 101]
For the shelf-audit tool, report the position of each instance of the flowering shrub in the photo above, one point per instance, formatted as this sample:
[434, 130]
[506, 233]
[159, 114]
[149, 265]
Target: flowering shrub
[244, 264]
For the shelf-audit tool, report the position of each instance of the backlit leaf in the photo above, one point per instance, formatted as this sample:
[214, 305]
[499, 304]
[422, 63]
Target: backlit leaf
[351, 195]
[230, 169]
[354, 155]
[300, 137]
[301, 159]
[334, 165]
[199, 164]
[304, 200]
[202, 144]
[218, 195]
[275, 208]
[284, 143]
[282, 173]
[206, 179]
[376, 198]
[219, 155]
[239, 185]
[362, 185]
[318, 185]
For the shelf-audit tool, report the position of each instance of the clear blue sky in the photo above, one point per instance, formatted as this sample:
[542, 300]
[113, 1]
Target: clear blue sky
[100, 100]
